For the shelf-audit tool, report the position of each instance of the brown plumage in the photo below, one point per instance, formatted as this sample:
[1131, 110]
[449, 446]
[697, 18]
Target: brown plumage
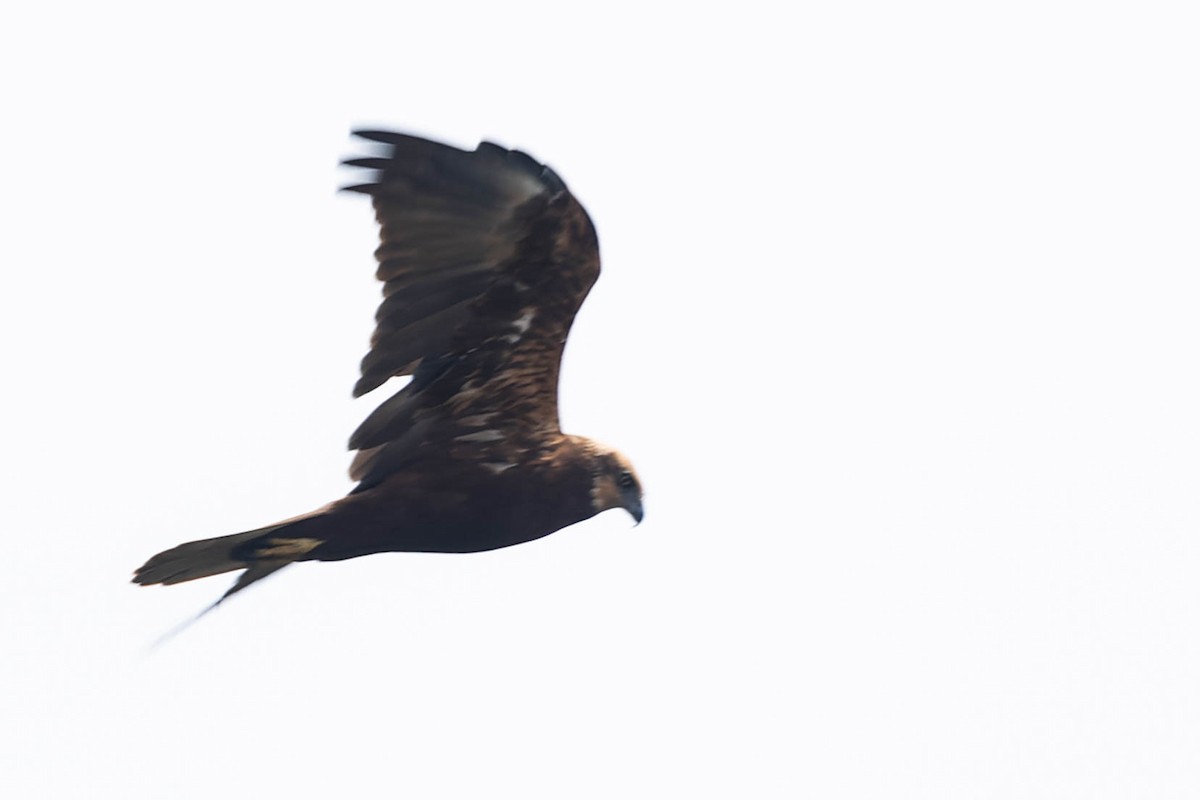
[485, 258]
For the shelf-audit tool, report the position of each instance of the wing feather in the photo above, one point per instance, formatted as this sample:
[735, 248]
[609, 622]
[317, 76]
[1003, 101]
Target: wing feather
[485, 258]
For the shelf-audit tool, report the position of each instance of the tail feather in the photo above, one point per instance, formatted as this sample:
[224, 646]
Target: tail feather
[198, 559]
[205, 557]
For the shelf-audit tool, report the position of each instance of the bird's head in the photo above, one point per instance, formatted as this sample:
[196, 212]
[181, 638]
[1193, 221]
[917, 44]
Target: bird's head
[615, 484]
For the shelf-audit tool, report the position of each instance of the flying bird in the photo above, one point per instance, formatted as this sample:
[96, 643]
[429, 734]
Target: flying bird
[485, 258]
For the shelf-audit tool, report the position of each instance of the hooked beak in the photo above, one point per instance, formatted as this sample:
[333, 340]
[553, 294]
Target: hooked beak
[635, 510]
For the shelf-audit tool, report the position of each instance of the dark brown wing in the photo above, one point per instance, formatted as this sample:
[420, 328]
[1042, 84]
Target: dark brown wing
[485, 259]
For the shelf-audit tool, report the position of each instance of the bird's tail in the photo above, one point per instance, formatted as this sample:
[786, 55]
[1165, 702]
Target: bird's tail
[205, 557]
[199, 559]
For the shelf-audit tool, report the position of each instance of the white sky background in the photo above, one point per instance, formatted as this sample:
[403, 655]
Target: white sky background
[899, 321]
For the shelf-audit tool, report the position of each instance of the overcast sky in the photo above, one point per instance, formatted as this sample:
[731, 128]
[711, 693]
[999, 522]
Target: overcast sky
[898, 321]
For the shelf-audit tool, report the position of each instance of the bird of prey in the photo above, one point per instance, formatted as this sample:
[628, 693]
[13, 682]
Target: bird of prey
[485, 258]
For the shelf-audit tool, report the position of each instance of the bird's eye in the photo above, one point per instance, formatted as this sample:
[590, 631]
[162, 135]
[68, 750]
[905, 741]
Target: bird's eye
[625, 481]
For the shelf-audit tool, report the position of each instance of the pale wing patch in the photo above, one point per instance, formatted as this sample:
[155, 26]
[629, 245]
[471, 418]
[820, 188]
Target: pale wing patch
[480, 436]
[288, 548]
[523, 322]
[520, 325]
[496, 467]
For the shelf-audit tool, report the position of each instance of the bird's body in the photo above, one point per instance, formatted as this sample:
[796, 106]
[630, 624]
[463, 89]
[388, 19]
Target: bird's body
[485, 258]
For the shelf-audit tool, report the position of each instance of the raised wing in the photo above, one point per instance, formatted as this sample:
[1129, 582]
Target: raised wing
[485, 258]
